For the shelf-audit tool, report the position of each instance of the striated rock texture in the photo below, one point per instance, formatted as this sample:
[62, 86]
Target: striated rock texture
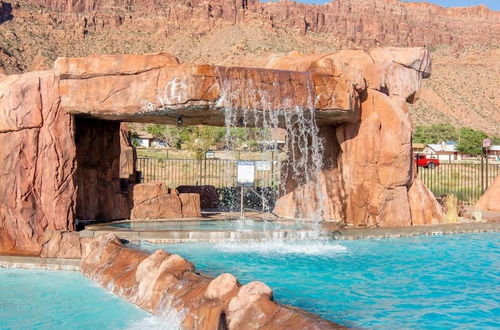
[490, 200]
[62, 139]
[63, 245]
[98, 149]
[157, 88]
[208, 195]
[367, 22]
[154, 200]
[368, 162]
[38, 161]
[166, 284]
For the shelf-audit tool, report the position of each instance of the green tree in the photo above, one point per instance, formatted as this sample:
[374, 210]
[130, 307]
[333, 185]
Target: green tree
[134, 138]
[171, 135]
[200, 139]
[495, 140]
[435, 133]
[470, 141]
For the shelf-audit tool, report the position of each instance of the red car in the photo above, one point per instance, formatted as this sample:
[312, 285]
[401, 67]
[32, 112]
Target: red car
[423, 161]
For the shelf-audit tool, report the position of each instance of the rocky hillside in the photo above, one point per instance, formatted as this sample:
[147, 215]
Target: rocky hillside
[464, 41]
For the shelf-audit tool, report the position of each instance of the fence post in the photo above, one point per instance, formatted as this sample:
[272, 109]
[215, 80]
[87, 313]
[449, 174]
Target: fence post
[199, 177]
[487, 176]
[482, 171]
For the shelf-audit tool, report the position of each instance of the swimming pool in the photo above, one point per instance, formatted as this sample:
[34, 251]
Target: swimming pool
[419, 282]
[34, 299]
[212, 225]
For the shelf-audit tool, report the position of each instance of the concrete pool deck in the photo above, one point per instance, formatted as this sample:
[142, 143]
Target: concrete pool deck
[28, 261]
[330, 231]
[35, 262]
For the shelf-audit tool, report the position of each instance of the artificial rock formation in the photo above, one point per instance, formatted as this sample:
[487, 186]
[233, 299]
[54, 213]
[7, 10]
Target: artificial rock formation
[37, 190]
[368, 174]
[209, 198]
[166, 284]
[63, 245]
[490, 200]
[157, 88]
[154, 200]
[61, 137]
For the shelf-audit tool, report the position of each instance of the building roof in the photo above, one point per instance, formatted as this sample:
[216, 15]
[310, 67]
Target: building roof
[145, 135]
[443, 147]
[494, 148]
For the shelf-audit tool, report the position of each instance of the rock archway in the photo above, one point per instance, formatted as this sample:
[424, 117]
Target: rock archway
[359, 97]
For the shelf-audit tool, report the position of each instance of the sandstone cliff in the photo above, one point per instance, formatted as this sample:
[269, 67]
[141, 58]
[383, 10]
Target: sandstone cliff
[33, 33]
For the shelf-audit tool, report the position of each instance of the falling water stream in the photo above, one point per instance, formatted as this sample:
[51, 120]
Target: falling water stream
[267, 99]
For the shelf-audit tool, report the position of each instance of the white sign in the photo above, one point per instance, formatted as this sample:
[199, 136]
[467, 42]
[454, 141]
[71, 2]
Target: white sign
[246, 173]
[486, 143]
[263, 165]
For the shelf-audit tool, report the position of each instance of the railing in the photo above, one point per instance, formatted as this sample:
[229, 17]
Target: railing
[466, 181]
[216, 172]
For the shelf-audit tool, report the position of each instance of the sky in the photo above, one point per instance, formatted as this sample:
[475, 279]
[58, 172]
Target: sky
[492, 4]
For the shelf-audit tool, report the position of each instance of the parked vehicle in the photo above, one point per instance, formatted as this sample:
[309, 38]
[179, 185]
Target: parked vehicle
[423, 161]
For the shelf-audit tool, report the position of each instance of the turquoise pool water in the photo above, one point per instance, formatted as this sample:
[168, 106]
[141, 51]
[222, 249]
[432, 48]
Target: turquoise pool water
[32, 299]
[436, 282]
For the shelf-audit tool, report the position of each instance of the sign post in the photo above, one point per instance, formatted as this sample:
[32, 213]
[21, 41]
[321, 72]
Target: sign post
[486, 145]
[246, 178]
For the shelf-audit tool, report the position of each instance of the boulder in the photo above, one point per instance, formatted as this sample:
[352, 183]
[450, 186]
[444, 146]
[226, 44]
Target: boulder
[425, 209]
[222, 287]
[190, 204]
[490, 200]
[154, 200]
[61, 244]
[208, 195]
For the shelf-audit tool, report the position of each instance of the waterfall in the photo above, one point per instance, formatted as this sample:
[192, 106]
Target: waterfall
[279, 99]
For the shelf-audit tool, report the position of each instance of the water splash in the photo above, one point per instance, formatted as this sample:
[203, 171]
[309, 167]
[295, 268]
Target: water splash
[154, 323]
[282, 247]
[266, 99]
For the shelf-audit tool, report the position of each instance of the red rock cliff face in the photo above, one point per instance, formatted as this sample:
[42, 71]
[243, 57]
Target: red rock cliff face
[361, 22]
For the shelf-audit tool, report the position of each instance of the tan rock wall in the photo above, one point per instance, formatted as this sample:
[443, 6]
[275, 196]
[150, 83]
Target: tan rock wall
[98, 149]
[37, 191]
[371, 180]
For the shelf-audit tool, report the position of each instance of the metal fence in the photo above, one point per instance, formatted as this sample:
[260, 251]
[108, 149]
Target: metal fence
[466, 181]
[215, 172]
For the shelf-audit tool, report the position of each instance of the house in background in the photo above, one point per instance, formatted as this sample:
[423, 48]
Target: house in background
[493, 152]
[446, 151]
[147, 140]
[277, 140]
[143, 140]
[418, 148]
